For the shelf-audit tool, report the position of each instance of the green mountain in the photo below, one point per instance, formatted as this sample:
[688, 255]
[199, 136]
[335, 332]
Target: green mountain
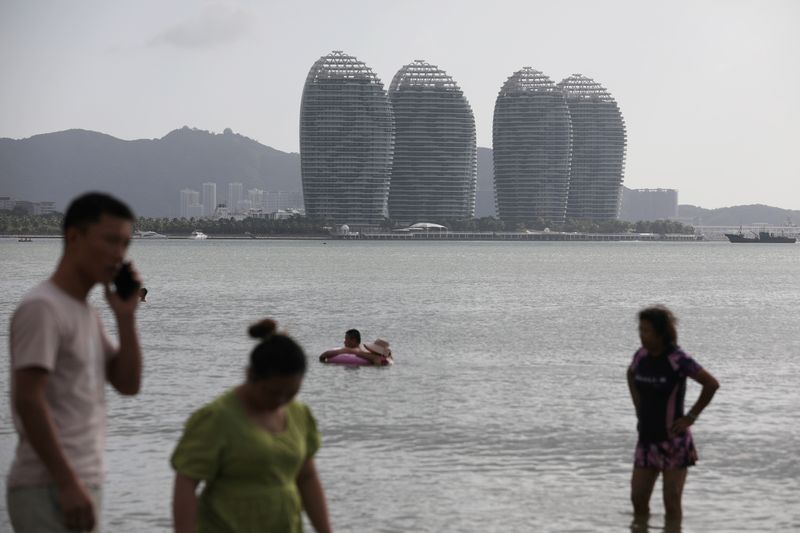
[146, 173]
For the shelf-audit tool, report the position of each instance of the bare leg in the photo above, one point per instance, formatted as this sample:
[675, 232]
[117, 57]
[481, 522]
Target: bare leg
[673, 492]
[642, 483]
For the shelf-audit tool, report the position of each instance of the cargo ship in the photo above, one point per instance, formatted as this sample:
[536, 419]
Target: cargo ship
[762, 236]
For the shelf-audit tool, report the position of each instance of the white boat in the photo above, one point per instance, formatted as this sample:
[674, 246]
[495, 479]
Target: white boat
[148, 235]
[198, 235]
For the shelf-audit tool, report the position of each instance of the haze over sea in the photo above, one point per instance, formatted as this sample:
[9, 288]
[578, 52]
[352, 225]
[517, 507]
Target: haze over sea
[507, 409]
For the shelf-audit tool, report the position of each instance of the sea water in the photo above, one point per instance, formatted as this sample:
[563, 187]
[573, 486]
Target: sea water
[507, 408]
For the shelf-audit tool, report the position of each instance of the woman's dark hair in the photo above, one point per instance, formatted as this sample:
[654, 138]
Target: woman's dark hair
[353, 334]
[88, 208]
[276, 355]
[663, 322]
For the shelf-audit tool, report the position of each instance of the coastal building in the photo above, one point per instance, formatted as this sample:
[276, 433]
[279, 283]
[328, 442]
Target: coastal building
[7, 203]
[346, 142]
[256, 198]
[282, 200]
[190, 200]
[44, 208]
[598, 150]
[532, 138]
[434, 170]
[235, 196]
[209, 199]
[649, 204]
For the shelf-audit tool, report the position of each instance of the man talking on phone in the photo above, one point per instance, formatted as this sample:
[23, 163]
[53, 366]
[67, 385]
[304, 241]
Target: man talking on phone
[61, 358]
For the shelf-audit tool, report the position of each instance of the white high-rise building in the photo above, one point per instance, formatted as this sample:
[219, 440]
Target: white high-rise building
[235, 196]
[346, 142]
[209, 199]
[189, 200]
[256, 197]
[434, 169]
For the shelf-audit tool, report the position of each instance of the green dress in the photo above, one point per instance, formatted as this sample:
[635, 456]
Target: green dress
[250, 474]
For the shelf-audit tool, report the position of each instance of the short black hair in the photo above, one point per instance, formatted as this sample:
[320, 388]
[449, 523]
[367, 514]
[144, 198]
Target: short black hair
[88, 208]
[353, 334]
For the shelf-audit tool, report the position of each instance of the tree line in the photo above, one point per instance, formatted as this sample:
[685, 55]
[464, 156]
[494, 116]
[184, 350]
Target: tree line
[12, 223]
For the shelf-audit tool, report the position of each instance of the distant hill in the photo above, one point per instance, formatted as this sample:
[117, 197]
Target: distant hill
[147, 173]
[738, 215]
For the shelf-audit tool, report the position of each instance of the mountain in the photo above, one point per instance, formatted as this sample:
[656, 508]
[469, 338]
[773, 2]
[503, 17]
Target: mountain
[147, 173]
[738, 215]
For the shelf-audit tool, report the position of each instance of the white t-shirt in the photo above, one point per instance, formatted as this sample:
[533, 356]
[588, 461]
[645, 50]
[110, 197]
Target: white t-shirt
[52, 330]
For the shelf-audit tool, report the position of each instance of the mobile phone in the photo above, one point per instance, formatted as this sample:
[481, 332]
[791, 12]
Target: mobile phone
[124, 283]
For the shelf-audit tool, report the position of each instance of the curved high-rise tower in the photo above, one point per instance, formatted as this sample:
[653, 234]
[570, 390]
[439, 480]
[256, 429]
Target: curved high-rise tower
[598, 150]
[434, 171]
[346, 142]
[532, 140]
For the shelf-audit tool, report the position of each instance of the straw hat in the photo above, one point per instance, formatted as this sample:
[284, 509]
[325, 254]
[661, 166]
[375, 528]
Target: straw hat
[380, 347]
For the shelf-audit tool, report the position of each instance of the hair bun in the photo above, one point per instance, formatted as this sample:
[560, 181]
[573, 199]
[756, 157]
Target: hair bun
[263, 329]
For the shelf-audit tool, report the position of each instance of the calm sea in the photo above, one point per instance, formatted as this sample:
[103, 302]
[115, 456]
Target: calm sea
[507, 409]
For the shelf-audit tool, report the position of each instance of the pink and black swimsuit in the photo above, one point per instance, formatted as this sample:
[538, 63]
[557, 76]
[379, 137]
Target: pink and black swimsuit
[661, 384]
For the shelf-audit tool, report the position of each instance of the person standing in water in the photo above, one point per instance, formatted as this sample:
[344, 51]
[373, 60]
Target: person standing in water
[253, 447]
[657, 383]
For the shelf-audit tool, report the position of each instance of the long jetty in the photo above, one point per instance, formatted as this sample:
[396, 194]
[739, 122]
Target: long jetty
[514, 236]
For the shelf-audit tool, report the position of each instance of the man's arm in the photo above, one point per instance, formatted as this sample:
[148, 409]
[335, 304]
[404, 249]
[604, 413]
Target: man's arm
[333, 353]
[124, 369]
[30, 384]
[371, 357]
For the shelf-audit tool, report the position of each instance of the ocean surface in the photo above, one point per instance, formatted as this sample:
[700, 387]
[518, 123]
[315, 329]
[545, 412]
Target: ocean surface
[507, 408]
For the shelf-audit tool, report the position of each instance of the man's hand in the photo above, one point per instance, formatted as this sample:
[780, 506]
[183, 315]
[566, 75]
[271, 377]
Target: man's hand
[123, 308]
[77, 506]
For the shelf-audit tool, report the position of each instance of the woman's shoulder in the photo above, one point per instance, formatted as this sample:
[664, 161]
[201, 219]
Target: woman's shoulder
[215, 409]
[301, 414]
[296, 407]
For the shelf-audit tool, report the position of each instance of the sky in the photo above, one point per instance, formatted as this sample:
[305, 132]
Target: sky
[709, 90]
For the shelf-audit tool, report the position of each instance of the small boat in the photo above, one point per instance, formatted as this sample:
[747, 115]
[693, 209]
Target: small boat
[148, 235]
[24, 239]
[760, 237]
[198, 235]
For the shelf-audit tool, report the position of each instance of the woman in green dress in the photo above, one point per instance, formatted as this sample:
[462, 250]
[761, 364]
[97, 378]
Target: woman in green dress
[253, 448]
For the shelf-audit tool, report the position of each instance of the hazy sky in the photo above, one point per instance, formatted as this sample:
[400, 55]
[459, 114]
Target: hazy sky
[710, 90]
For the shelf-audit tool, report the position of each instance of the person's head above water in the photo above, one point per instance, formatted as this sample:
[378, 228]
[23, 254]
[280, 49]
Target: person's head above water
[142, 294]
[352, 338]
[277, 366]
[657, 328]
[379, 347]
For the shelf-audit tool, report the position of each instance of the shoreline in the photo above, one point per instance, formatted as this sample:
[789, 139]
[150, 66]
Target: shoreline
[419, 237]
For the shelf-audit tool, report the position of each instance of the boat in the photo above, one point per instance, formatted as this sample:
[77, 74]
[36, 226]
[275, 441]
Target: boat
[198, 235]
[760, 237]
[137, 234]
[24, 239]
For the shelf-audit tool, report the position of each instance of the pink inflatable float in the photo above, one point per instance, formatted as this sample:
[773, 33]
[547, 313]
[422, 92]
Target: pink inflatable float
[348, 359]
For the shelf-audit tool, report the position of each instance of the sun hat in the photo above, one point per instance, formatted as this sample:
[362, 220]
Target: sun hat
[380, 347]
